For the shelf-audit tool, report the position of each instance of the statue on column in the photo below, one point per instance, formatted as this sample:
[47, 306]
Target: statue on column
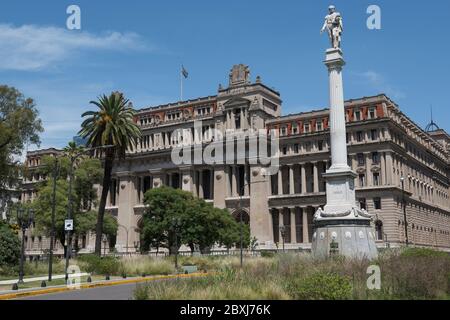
[334, 26]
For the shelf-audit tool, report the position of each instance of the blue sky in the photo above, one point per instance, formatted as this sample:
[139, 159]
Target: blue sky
[138, 46]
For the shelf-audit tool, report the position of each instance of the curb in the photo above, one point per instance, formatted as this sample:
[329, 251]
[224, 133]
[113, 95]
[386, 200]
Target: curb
[16, 295]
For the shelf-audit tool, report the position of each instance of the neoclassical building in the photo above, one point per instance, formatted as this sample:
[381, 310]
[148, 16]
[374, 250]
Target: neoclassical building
[393, 157]
[385, 147]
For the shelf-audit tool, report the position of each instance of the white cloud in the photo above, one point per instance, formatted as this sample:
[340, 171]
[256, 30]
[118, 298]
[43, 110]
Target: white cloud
[32, 48]
[377, 81]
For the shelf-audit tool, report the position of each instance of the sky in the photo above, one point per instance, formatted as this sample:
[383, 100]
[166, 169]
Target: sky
[138, 47]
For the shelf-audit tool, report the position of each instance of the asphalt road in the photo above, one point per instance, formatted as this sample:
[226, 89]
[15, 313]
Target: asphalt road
[118, 292]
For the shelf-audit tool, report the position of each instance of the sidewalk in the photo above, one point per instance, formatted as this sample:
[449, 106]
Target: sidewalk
[26, 280]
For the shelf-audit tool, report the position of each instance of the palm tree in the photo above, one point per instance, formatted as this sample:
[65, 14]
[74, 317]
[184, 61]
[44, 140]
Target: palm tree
[112, 125]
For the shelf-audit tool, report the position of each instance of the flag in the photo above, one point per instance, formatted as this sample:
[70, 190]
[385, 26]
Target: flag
[184, 72]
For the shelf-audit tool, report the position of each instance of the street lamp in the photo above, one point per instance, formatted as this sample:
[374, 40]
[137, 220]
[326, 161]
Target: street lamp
[283, 234]
[24, 222]
[402, 179]
[105, 240]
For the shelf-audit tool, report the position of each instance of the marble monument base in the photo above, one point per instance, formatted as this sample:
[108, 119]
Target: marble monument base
[350, 238]
[341, 228]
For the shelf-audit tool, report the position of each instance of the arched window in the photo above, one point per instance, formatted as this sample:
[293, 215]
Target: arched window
[379, 230]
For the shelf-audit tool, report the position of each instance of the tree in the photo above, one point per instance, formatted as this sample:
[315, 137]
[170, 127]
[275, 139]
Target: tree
[199, 222]
[19, 125]
[9, 246]
[112, 125]
[87, 173]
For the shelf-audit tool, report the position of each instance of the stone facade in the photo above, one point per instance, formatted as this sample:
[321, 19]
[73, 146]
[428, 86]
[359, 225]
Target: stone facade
[383, 145]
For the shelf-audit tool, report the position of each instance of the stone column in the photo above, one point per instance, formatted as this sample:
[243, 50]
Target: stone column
[303, 170]
[261, 221]
[220, 186]
[316, 178]
[291, 179]
[126, 215]
[232, 119]
[335, 62]
[383, 168]
[187, 182]
[234, 192]
[293, 226]
[280, 181]
[369, 177]
[246, 179]
[305, 224]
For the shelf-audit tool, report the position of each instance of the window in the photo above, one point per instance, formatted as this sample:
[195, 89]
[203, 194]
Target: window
[308, 146]
[372, 113]
[320, 145]
[376, 179]
[296, 148]
[377, 203]
[306, 127]
[379, 230]
[361, 159]
[362, 180]
[285, 150]
[362, 203]
[294, 128]
[375, 158]
[237, 118]
[374, 134]
[283, 131]
[319, 125]
[357, 115]
[359, 136]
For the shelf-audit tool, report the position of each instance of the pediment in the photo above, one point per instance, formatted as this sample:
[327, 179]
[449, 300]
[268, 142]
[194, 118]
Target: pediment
[237, 101]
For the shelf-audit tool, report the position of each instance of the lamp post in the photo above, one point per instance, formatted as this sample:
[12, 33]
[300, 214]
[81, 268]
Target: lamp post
[175, 225]
[24, 222]
[283, 234]
[402, 179]
[105, 241]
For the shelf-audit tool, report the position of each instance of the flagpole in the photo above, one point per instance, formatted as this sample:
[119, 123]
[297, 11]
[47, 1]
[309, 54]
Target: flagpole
[181, 85]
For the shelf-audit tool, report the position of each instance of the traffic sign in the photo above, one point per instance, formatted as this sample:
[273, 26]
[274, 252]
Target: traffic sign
[68, 225]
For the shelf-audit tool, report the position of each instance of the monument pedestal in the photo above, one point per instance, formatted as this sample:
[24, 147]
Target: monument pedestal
[341, 228]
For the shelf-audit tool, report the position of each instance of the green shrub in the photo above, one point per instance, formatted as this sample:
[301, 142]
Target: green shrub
[136, 266]
[267, 254]
[9, 246]
[321, 286]
[100, 265]
[423, 252]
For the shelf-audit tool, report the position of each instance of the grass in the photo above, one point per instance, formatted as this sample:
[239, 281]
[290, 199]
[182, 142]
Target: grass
[405, 274]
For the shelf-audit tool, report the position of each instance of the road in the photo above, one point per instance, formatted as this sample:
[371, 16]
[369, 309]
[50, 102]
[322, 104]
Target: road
[117, 292]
